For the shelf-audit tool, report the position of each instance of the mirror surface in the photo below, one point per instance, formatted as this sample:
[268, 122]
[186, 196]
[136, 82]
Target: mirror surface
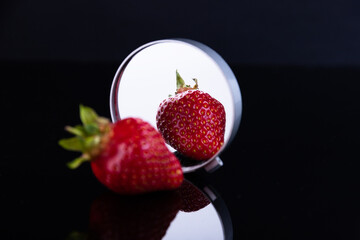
[148, 75]
[203, 224]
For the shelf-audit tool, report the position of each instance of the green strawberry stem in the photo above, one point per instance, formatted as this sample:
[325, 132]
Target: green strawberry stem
[181, 86]
[88, 137]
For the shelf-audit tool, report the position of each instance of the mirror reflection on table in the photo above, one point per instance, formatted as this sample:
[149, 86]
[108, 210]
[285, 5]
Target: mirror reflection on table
[190, 212]
[148, 75]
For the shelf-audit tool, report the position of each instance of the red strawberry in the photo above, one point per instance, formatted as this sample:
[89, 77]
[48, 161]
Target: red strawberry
[192, 198]
[128, 157]
[192, 121]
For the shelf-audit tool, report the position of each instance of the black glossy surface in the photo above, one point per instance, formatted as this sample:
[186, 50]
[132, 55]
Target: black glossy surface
[292, 172]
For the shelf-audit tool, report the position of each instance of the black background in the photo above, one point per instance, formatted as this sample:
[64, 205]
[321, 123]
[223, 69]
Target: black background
[292, 170]
[244, 32]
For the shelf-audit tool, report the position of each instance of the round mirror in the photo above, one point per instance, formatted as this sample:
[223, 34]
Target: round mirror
[148, 75]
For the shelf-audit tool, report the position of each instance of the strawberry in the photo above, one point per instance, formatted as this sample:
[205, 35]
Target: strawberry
[192, 121]
[128, 157]
[192, 199]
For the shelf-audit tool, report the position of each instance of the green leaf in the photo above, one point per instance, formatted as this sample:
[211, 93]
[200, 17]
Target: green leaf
[87, 115]
[77, 130]
[72, 144]
[91, 141]
[91, 129]
[180, 83]
[76, 162]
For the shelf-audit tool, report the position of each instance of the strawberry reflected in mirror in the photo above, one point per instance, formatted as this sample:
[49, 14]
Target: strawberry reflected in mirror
[192, 122]
[192, 199]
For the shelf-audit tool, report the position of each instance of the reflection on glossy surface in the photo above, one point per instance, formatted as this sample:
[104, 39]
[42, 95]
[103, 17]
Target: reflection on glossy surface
[147, 76]
[197, 218]
[187, 213]
[139, 217]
